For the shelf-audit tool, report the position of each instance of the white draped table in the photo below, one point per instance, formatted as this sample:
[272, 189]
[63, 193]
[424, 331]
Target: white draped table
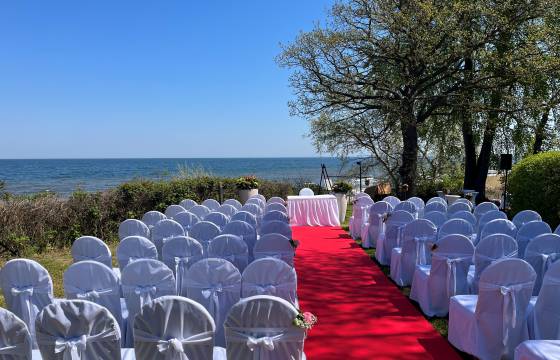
[319, 210]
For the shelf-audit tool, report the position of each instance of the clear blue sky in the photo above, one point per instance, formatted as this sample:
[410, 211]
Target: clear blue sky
[111, 78]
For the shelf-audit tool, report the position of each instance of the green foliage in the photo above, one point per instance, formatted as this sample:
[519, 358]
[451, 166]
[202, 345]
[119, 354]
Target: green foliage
[534, 184]
[451, 183]
[247, 183]
[341, 187]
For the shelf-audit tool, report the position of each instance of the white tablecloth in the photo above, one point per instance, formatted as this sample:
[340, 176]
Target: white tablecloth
[319, 210]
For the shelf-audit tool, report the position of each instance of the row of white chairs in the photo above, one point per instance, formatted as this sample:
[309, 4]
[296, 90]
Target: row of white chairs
[170, 328]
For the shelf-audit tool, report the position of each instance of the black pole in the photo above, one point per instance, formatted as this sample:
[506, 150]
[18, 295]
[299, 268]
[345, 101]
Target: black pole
[505, 191]
[360, 165]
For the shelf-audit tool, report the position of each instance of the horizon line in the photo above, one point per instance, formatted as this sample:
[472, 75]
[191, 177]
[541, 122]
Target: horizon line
[182, 158]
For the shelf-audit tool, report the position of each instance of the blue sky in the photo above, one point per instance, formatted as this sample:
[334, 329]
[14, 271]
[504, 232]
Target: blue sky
[110, 78]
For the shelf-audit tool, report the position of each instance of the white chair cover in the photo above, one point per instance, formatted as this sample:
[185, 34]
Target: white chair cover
[270, 276]
[200, 211]
[557, 231]
[361, 194]
[261, 328]
[233, 202]
[274, 245]
[133, 227]
[408, 207]
[277, 227]
[376, 223]
[538, 350]
[489, 250]
[258, 196]
[541, 252]
[276, 200]
[231, 248]
[211, 204]
[133, 248]
[142, 281]
[483, 208]
[275, 215]
[227, 210]
[204, 231]
[486, 218]
[165, 230]
[543, 313]
[179, 253]
[216, 284]
[393, 229]
[436, 206]
[245, 216]
[464, 201]
[465, 215]
[27, 289]
[152, 217]
[417, 239]
[419, 204]
[306, 192]
[77, 329]
[492, 324]
[95, 282]
[187, 220]
[257, 201]
[437, 199]
[173, 210]
[174, 328]
[393, 200]
[277, 207]
[499, 226]
[15, 340]
[456, 227]
[458, 206]
[528, 232]
[188, 204]
[245, 231]
[360, 212]
[525, 216]
[217, 218]
[256, 210]
[436, 217]
[91, 248]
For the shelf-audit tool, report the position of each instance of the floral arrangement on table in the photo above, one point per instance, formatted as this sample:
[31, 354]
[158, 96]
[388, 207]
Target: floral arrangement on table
[247, 182]
[341, 187]
[305, 320]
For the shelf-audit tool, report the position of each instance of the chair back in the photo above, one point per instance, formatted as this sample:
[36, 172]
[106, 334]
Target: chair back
[204, 231]
[545, 324]
[465, 215]
[228, 210]
[458, 206]
[525, 216]
[276, 200]
[276, 207]
[541, 253]
[165, 230]
[418, 237]
[278, 227]
[133, 227]
[246, 232]
[217, 218]
[188, 204]
[487, 217]
[437, 199]
[483, 208]
[270, 276]
[274, 245]
[200, 211]
[499, 226]
[133, 248]
[91, 248]
[557, 231]
[258, 196]
[393, 230]
[231, 248]
[376, 219]
[173, 210]
[464, 201]
[407, 206]
[245, 216]
[456, 227]
[419, 204]
[152, 217]
[211, 204]
[15, 340]
[436, 206]
[489, 250]
[254, 209]
[257, 201]
[306, 192]
[179, 253]
[233, 202]
[393, 200]
[436, 217]
[187, 220]
[528, 232]
[275, 215]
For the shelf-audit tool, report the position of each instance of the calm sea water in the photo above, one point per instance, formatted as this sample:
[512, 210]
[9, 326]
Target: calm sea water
[65, 175]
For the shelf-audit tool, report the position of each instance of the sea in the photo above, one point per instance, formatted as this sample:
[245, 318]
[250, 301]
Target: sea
[63, 176]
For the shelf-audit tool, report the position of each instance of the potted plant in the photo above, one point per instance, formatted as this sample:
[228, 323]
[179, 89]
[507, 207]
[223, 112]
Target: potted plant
[247, 186]
[341, 190]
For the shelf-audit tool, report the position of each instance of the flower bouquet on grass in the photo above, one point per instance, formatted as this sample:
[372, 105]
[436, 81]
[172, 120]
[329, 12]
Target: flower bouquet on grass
[305, 320]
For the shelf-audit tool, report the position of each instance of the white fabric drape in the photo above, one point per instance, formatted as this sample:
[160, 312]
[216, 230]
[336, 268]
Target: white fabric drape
[270, 276]
[320, 210]
[538, 350]
[15, 340]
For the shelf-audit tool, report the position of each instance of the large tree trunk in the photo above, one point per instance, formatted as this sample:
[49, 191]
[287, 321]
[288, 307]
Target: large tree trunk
[464, 114]
[409, 165]
[540, 132]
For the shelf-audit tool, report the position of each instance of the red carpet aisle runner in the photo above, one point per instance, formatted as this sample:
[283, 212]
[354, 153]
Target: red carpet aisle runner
[362, 315]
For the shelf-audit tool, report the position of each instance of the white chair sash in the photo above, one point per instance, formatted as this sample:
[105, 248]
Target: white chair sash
[547, 260]
[421, 242]
[174, 348]
[91, 295]
[181, 266]
[73, 348]
[24, 295]
[145, 292]
[262, 345]
[272, 289]
[213, 293]
[14, 350]
[100, 258]
[509, 306]
[451, 260]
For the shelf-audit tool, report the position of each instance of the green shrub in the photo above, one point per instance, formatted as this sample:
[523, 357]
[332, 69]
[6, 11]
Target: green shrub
[247, 183]
[341, 187]
[426, 187]
[534, 184]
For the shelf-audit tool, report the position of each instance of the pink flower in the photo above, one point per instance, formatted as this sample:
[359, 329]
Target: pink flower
[309, 317]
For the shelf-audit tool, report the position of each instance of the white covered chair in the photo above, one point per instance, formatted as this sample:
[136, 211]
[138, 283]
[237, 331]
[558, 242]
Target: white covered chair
[245, 231]
[134, 248]
[152, 217]
[458, 206]
[541, 252]
[275, 215]
[231, 248]
[276, 207]
[95, 282]
[257, 201]
[538, 350]
[247, 217]
[525, 216]
[133, 227]
[27, 289]
[233, 202]
[259, 196]
[306, 192]
[436, 217]
[277, 227]
[218, 219]
[15, 340]
[464, 201]
[465, 215]
[261, 327]
[179, 253]
[173, 210]
[417, 239]
[528, 232]
[489, 250]
[200, 211]
[216, 284]
[276, 200]
[270, 276]
[257, 212]
[543, 312]
[174, 327]
[204, 231]
[483, 208]
[375, 227]
[393, 229]
[211, 204]
[407, 206]
[499, 226]
[274, 245]
[393, 200]
[492, 324]
[437, 199]
[486, 218]
[188, 204]
[420, 205]
[433, 285]
[77, 329]
[436, 206]
[187, 220]
[142, 281]
[91, 248]
[557, 231]
[228, 210]
[360, 212]
[456, 227]
[165, 230]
